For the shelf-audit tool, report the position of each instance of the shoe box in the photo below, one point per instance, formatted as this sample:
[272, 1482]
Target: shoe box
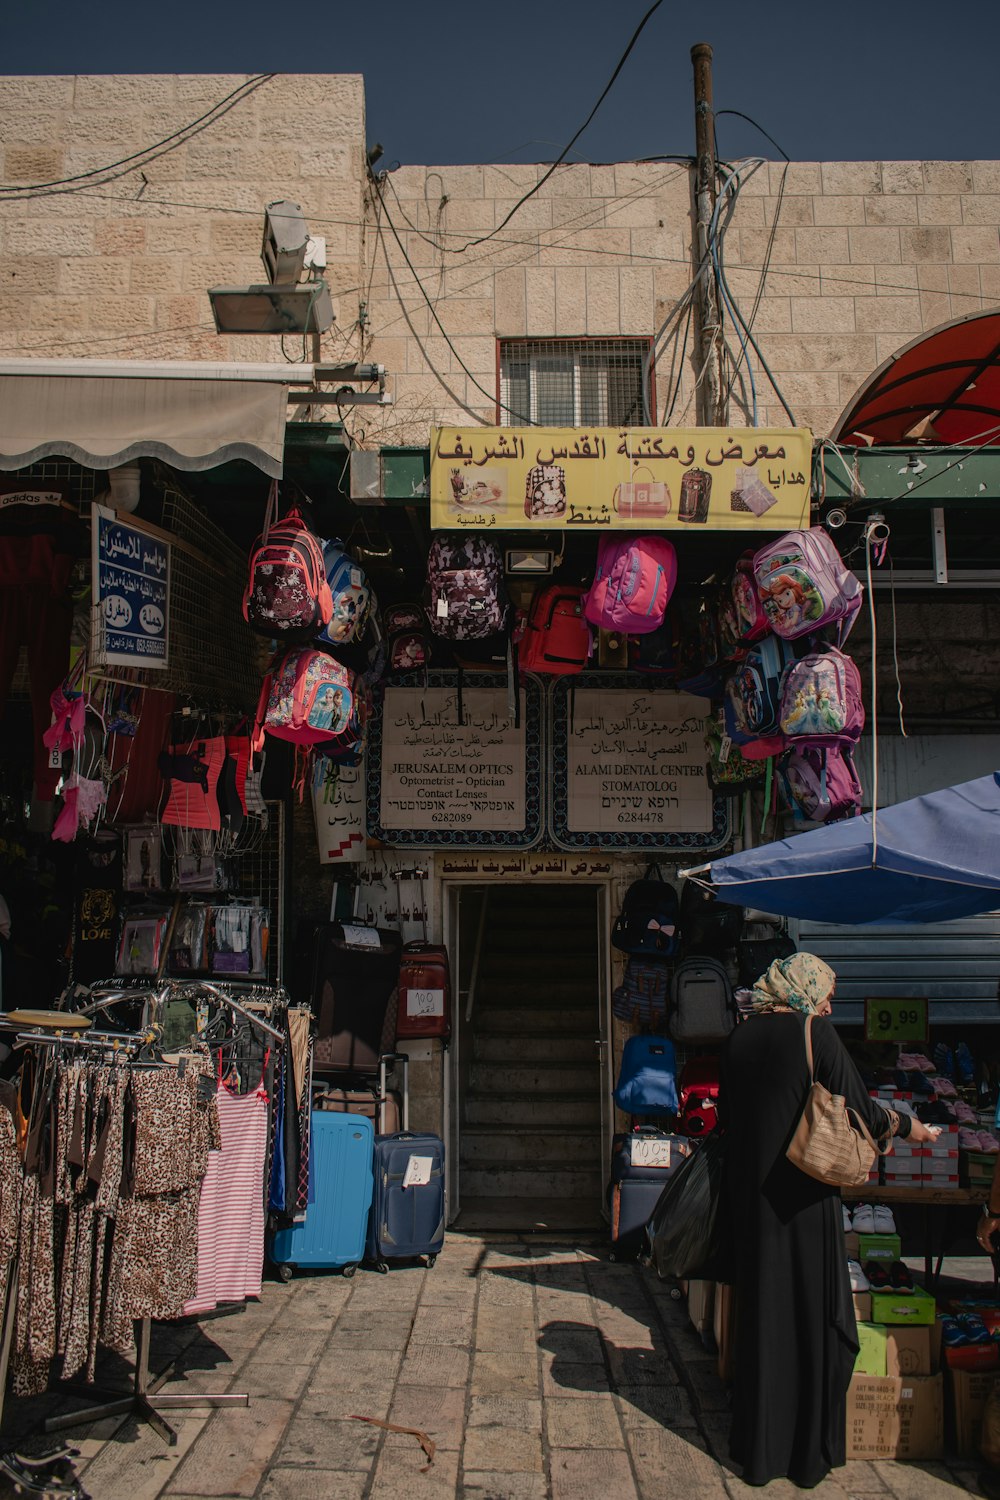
[885, 1247]
[896, 1307]
[967, 1394]
[895, 1402]
[898, 1350]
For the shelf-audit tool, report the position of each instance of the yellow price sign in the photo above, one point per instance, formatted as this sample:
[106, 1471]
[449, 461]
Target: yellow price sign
[896, 1020]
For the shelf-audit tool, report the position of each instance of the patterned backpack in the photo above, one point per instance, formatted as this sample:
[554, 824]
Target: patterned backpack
[350, 595]
[287, 594]
[466, 598]
[632, 585]
[750, 615]
[408, 644]
[307, 698]
[821, 701]
[753, 692]
[804, 585]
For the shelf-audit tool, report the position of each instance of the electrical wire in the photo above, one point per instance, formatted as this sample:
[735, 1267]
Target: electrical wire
[481, 240]
[868, 536]
[16, 191]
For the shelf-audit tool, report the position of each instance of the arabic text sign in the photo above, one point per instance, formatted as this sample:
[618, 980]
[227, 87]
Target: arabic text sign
[131, 572]
[636, 763]
[657, 478]
[440, 775]
[338, 797]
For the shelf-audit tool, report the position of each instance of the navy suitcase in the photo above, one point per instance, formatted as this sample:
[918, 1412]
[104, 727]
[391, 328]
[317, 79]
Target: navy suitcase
[642, 1163]
[335, 1229]
[408, 1203]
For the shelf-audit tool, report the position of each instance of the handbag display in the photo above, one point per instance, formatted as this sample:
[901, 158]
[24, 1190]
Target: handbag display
[831, 1141]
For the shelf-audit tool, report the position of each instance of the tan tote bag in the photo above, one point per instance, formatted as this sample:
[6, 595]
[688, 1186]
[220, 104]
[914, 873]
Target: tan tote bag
[831, 1141]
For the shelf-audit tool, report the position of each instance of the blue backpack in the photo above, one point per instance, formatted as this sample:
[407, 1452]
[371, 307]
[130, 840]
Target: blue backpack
[647, 1079]
[351, 595]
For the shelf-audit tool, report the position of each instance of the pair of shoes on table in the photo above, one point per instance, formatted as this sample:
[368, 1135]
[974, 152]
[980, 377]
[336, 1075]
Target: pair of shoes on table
[964, 1113]
[943, 1087]
[944, 1060]
[915, 1082]
[963, 1328]
[964, 1064]
[859, 1281]
[872, 1218]
[911, 1062]
[977, 1140]
[939, 1112]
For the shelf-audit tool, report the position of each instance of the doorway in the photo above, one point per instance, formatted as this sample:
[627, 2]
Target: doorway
[530, 1097]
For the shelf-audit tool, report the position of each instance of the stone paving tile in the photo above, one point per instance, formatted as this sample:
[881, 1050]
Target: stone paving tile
[137, 1464]
[262, 1377]
[312, 1484]
[505, 1411]
[399, 1475]
[693, 1472]
[503, 1374]
[338, 1369]
[584, 1474]
[500, 1486]
[563, 1378]
[582, 1424]
[316, 1441]
[234, 1450]
[502, 1448]
[655, 1406]
[439, 1413]
[434, 1365]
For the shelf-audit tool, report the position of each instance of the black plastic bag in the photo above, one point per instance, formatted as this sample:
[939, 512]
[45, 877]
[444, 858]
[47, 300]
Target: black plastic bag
[688, 1229]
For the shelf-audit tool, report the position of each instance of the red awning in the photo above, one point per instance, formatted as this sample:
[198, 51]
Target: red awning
[944, 387]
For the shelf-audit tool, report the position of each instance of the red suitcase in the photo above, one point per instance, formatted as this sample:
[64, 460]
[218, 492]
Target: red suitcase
[424, 1010]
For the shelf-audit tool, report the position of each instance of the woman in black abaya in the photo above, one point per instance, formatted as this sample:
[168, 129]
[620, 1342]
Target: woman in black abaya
[796, 1338]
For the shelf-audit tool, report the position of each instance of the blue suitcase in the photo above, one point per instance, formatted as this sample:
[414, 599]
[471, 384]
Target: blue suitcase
[642, 1162]
[407, 1217]
[336, 1224]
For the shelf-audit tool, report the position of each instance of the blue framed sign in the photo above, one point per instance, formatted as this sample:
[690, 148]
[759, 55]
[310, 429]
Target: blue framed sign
[433, 781]
[131, 586]
[628, 767]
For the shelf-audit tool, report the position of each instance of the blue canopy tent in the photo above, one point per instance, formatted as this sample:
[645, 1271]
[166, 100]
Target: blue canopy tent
[926, 860]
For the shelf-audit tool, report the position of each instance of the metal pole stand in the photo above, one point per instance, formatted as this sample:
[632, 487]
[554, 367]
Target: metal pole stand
[140, 1403]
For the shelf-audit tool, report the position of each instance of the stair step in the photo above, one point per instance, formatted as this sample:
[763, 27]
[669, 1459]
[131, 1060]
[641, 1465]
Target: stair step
[499, 1179]
[541, 1022]
[538, 1047]
[570, 1111]
[552, 1078]
[519, 1146]
[562, 994]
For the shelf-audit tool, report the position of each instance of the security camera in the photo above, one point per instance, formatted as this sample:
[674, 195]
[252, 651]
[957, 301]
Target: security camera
[835, 518]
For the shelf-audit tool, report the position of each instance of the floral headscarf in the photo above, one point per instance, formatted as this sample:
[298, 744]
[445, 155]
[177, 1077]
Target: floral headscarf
[802, 981]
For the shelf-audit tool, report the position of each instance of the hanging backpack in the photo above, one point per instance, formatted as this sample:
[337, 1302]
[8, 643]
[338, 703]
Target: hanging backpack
[750, 616]
[643, 997]
[557, 637]
[702, 1006]
[350, 596]
[753, 692]
[466, 594]
[730, 773]
[702, 667]
[647, 922]
[756, 955]
[368, 653]
[408, 644]
[647, 1078]
[820, 784]
[821, 700]
[658, 652]
[804, 585]
[307, 698]
[348, 747]
[699, 1096]
[707, 925]
[287, 594]
[633, 582]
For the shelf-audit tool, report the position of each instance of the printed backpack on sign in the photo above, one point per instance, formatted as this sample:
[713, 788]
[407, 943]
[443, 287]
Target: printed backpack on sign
[820, 784]
[466, 594]
[821, 700]
[632, 585]
[556, 637]
[350, 596]
[308, 699]
[804, 585]
[702, 1005]
[647, 922]
[287, 594]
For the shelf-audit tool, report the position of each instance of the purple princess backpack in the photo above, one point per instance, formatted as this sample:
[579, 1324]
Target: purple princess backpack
[821, 700]
[804, 585]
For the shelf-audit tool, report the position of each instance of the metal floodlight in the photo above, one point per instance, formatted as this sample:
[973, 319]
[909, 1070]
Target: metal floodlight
[272, 309]
[539, 560]
[286, 237]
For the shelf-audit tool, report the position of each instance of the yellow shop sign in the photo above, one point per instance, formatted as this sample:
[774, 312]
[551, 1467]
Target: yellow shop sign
[648, 478]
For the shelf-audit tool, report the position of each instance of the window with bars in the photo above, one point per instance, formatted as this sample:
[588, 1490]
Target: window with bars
[573, 382]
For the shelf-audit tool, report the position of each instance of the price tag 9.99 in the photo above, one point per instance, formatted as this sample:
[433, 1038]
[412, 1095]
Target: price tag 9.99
[896, 1020]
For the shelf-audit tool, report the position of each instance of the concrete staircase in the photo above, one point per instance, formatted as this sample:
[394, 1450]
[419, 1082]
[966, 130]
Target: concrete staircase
[531, 1116]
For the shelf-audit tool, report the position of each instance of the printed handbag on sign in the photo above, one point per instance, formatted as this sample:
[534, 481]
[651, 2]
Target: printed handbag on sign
[831, 1142]
[545, 492]
[642, 500]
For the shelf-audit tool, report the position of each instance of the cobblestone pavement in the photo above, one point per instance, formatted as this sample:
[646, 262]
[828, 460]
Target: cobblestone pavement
[541, 1371]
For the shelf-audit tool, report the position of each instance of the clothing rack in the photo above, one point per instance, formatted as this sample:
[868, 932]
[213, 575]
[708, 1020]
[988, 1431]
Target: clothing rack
[143, 1400]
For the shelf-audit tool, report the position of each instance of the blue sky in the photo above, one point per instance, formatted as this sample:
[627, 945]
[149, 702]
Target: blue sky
[513, 80]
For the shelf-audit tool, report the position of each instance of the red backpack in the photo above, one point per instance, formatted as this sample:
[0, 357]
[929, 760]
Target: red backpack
[557, 637]
[287, 594]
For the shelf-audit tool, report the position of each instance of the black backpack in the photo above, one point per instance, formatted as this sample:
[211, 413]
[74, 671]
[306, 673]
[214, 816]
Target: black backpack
[702, 1005]
[708, 926]
[647, 922]
[756, 955]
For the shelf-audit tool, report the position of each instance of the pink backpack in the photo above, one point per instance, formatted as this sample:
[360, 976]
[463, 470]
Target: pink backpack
[820, 785]
[632, 585]
[308, 699]
[751, 620]
[287, 593]
[821, 700]
[803, 584]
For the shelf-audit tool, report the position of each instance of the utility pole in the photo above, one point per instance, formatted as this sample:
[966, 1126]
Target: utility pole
[711, 406]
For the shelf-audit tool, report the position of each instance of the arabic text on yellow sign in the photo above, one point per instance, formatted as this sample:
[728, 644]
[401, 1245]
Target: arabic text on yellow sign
[653, 478]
